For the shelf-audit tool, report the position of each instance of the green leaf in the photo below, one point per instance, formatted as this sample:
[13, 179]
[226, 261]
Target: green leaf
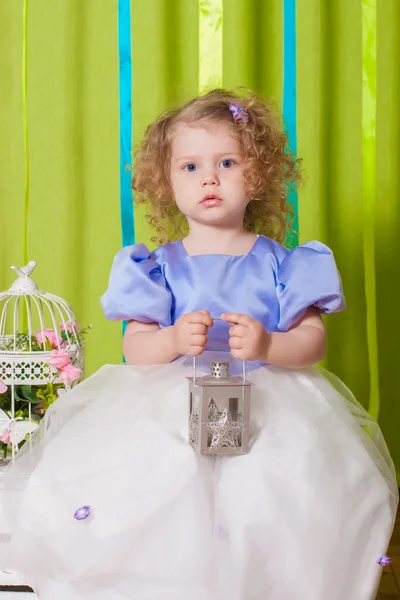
[36, 347]
[46, 395]
[49, 400]
[41, 395]
[17, 396]
[28, 394]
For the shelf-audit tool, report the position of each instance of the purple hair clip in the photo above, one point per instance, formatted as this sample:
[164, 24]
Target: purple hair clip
[384, 561]
[239, 114]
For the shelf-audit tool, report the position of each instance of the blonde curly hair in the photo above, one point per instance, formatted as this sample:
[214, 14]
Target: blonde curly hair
[271, 169]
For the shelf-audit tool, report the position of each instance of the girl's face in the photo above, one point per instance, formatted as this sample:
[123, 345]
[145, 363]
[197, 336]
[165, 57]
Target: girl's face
[207, 175]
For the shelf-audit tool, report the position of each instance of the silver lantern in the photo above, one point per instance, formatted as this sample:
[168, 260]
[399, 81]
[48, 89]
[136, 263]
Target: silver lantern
[219, 410]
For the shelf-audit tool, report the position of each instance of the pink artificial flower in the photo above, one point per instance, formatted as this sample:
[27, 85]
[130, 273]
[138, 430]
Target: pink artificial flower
[70, 326]
[3, 387]
[50, 334]
[69, 374]
[5, 438]
[59, 359]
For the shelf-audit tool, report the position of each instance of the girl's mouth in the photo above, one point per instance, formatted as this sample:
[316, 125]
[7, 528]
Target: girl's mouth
[211, 200]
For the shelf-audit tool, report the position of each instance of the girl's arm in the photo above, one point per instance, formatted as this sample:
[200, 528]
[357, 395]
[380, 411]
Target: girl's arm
[148, 344]
[303, 345]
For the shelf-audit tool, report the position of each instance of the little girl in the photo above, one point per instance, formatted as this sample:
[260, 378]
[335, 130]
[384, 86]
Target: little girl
[113, 503]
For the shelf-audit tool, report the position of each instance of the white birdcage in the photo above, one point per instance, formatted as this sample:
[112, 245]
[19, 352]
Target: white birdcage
[36, 329]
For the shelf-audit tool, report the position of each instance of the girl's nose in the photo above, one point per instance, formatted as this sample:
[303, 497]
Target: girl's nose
[209, 178]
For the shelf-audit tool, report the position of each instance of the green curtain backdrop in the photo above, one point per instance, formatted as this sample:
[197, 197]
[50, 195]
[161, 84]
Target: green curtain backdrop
[348, 134]
[73, 221]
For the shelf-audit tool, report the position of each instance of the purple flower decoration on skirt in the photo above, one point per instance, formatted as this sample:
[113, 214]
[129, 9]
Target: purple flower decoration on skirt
[384, 561]
[239, 114]
[82, 513]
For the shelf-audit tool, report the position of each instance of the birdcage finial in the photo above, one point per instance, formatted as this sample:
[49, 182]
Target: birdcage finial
[24, 284]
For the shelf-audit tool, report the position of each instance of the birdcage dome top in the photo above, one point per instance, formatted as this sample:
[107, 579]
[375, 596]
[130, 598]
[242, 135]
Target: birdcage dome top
[24, 284]
[35, 317]
[40, 339]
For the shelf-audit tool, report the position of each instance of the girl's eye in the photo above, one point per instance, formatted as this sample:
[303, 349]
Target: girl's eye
[191, 167]
[227, 164]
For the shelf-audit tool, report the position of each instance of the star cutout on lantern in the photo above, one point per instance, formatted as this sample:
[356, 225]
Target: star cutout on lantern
[225, 432]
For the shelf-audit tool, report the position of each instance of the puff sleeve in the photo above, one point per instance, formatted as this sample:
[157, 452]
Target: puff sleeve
[137, 288]
[308, 276]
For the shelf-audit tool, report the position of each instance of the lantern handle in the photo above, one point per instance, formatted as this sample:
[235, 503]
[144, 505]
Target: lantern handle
[194, 360]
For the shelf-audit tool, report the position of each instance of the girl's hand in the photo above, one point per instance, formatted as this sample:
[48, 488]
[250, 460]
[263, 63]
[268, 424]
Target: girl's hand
[248, 340]
[190, 332]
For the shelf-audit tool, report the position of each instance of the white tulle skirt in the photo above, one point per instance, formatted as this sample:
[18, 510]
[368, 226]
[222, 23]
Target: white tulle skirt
[304, 516]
